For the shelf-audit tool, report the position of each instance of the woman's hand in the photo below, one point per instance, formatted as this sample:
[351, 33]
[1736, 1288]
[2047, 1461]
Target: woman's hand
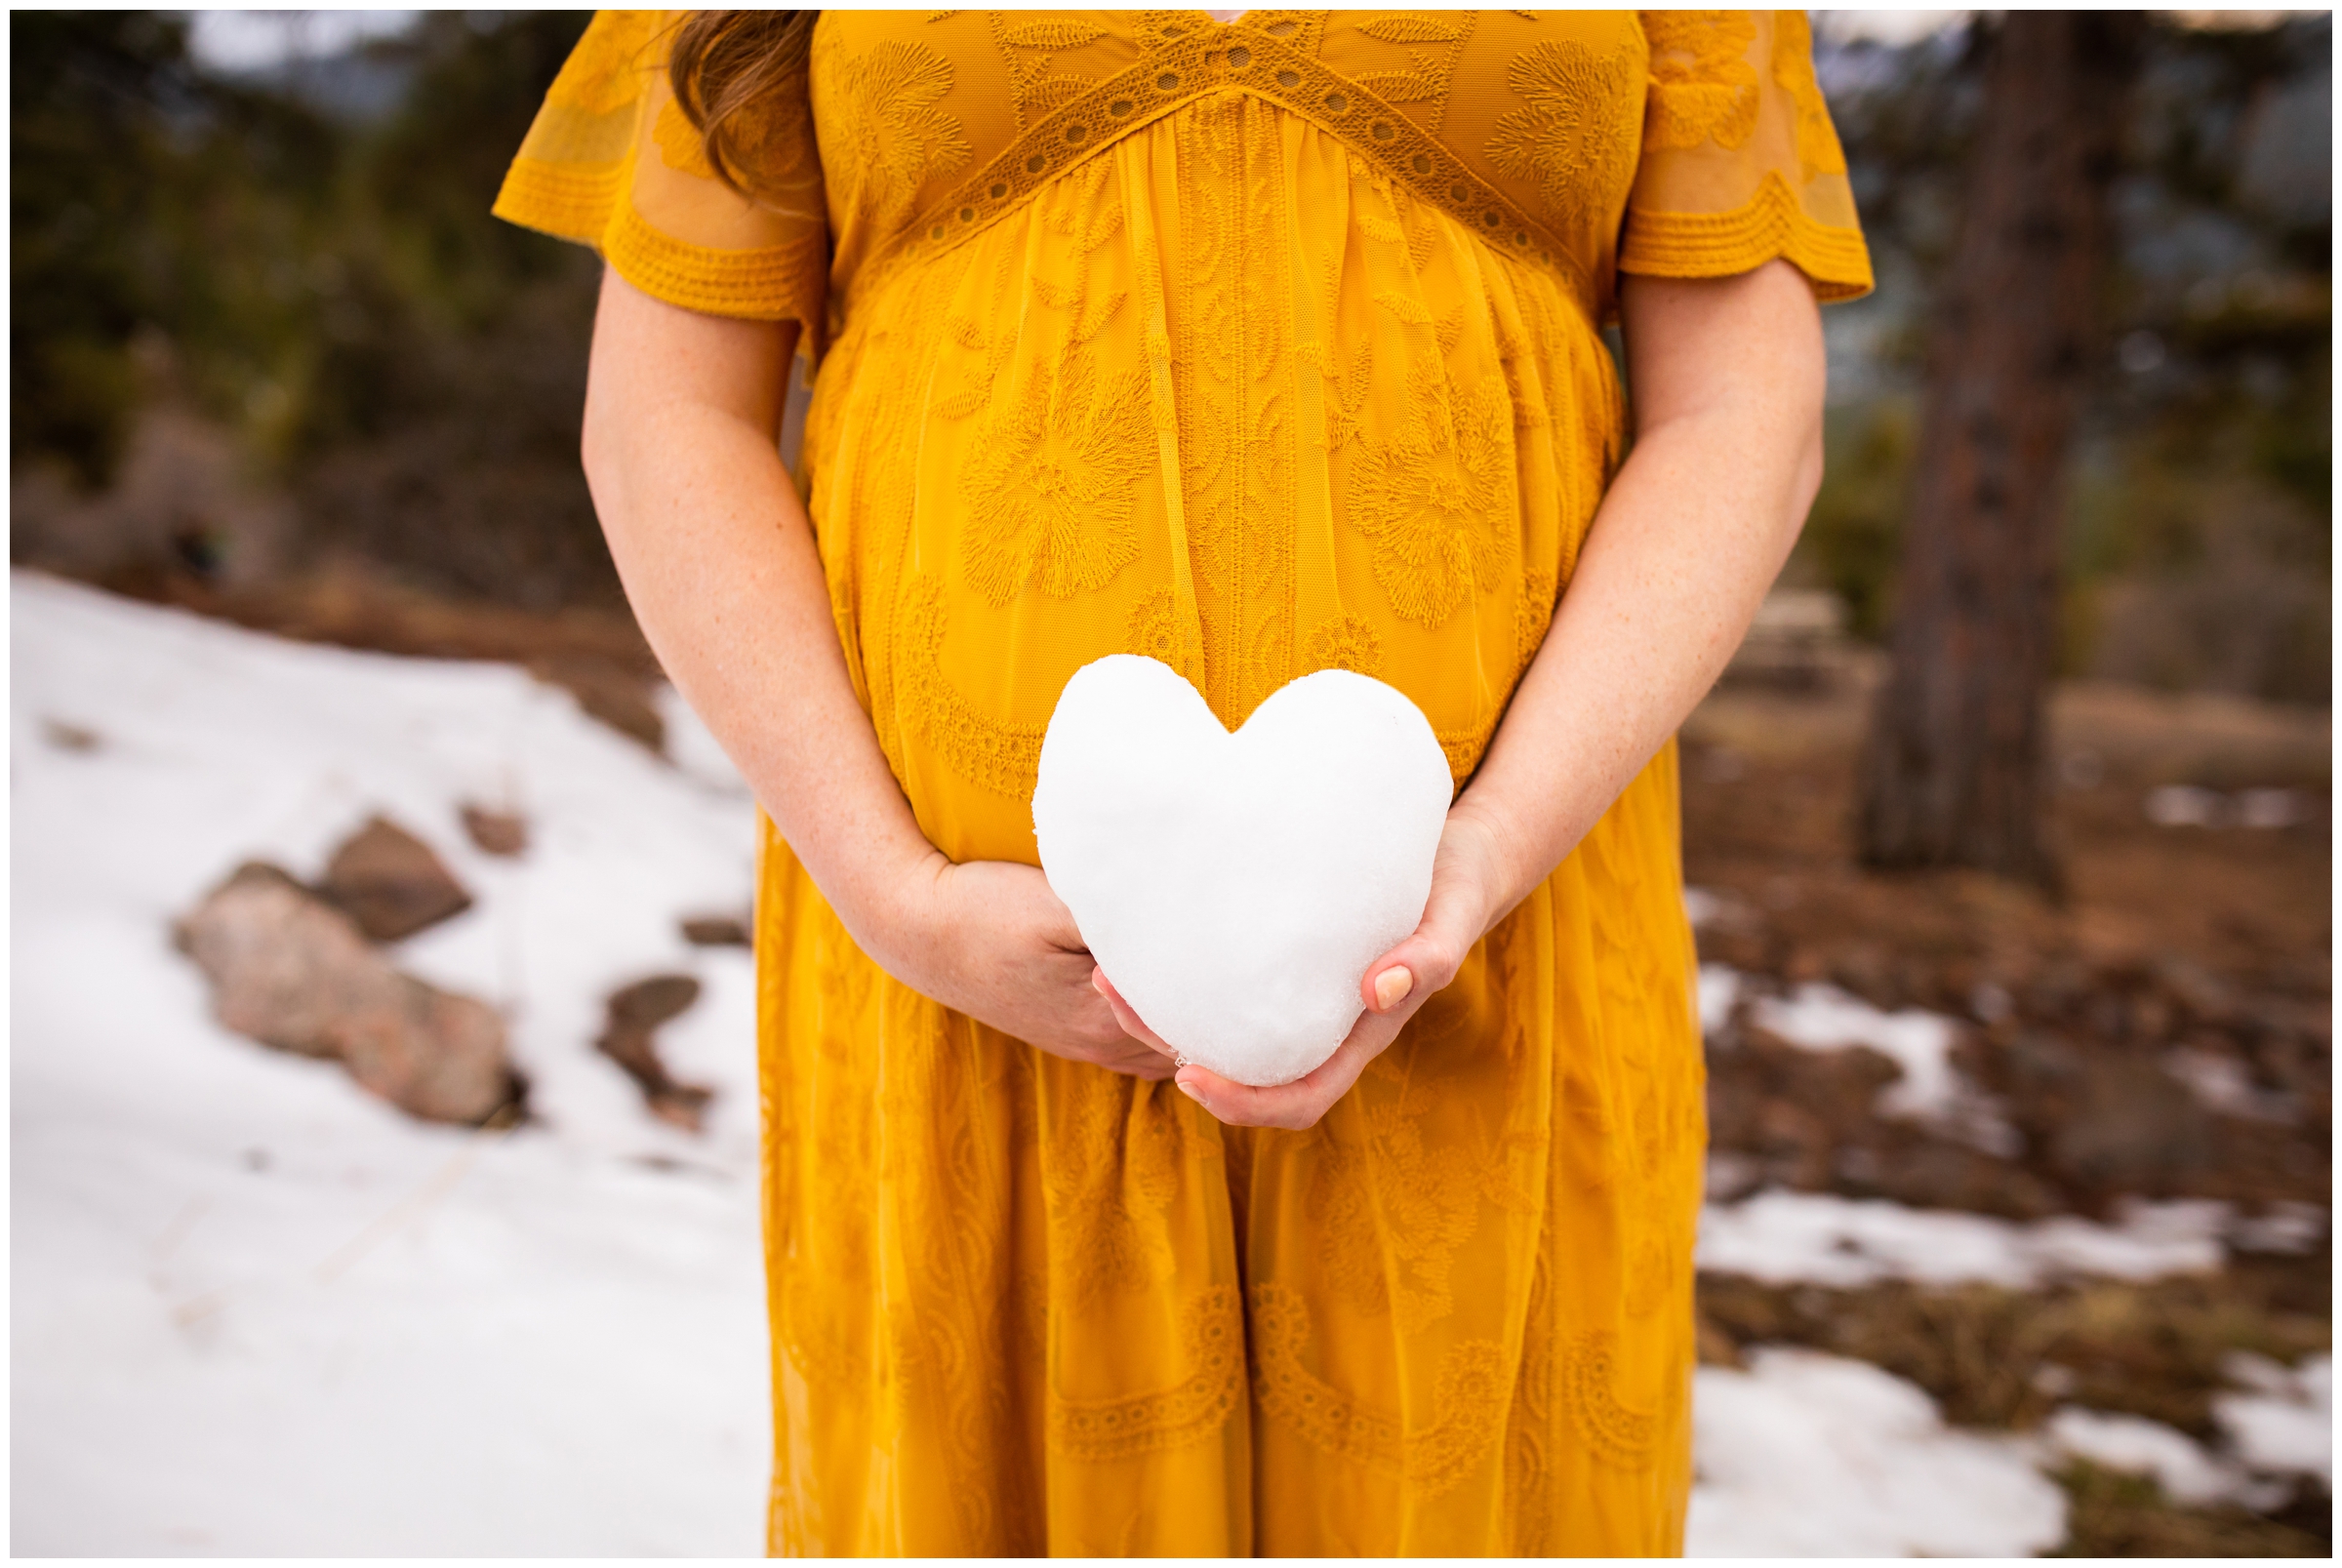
[1470, 890]
[990, 939]
[720, 563]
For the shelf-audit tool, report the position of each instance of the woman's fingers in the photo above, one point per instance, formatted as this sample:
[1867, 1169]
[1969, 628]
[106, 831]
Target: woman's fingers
[1298, 1104]
[1453, 918]
[1132, 1025]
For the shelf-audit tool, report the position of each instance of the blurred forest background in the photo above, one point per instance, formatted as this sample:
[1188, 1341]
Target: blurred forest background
[270, 334]
[272, 360]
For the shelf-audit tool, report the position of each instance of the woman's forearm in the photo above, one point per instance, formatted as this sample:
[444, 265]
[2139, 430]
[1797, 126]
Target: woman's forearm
[718, 560]
[1727, 379]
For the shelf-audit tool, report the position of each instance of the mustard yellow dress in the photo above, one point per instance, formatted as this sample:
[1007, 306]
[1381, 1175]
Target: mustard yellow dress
[1258, 348]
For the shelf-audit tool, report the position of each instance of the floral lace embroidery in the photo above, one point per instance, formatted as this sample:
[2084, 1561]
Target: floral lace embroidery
[1618, 1436]
[1233, 377]
[1153, 630]
[1818, 149]
[1050, 483]
[1468, 1403]
[1111, 1162]
[1428, 72]
[887, 138]
[1028, 45]
[1529, 1433]
[1004, 758]
[1436, 498]
[1212, 1348]
[1395, 1196]
[1346, 642]
[602, 74]
[1093, 214]
[1571, 143]
[1711, 95]
[1532, 617]
[680, 145]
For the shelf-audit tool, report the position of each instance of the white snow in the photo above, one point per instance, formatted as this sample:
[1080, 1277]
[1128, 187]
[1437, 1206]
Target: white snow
[1234, 888]
[1718, 994]
[256, 1312]
[2188, 806]
[1701, 907]
[1818, 1016]
[2137, 1446]
[2287, 1226]
[2223, 1084]
[1822, 1017]
[1811, 1454]
[1822, 1239]
[2286, 1425]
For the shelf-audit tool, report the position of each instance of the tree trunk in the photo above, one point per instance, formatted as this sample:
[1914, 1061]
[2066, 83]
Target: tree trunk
[1953, 769]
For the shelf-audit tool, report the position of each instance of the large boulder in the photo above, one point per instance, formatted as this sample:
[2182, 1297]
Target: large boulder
[293, 972]
[390, 883]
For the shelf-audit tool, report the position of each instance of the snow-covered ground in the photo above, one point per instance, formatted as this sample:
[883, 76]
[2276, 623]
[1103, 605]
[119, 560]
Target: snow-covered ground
[256, 1312]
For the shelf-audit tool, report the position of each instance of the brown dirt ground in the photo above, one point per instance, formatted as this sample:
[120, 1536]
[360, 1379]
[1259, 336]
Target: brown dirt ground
[2217, 941]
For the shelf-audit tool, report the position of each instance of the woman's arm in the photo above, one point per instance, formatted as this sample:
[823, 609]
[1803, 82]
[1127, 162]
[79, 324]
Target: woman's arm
[719, 561]
[1727, 382]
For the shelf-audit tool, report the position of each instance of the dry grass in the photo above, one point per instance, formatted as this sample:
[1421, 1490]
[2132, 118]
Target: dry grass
[2002, 1358]
[2111, 1514]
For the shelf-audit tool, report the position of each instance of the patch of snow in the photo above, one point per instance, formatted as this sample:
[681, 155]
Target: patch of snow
[2288, 1227]
[2222, 1084]
[256, 1312]
[1811, 1454]
[1729, 1175]
[2186, 806]
[2286, 1425]
[1823, 1018]
[1818, 1238]
[2149, 1241]
[2272, 808]
[1718, 993]
[1818, 1016]
[2137, 1446]
[1701, 907]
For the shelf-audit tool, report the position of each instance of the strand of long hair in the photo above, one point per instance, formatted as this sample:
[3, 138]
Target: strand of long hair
[723, 64]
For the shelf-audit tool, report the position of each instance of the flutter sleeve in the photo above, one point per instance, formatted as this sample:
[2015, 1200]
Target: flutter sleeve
[612, 161]
[1740, 162]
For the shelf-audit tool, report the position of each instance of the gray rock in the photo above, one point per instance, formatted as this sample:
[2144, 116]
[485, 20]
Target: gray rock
[2135, 1129]
[293, 972]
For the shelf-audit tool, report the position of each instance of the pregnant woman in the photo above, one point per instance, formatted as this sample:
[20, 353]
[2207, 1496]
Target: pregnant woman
[1260, 343]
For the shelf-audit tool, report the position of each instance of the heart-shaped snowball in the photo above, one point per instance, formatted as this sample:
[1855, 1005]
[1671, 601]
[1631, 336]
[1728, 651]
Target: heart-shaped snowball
[1235, 887]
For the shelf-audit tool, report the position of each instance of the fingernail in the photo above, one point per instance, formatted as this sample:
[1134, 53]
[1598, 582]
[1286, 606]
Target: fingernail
[1098, 980]
[1392, 986]
[1189, 1088]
